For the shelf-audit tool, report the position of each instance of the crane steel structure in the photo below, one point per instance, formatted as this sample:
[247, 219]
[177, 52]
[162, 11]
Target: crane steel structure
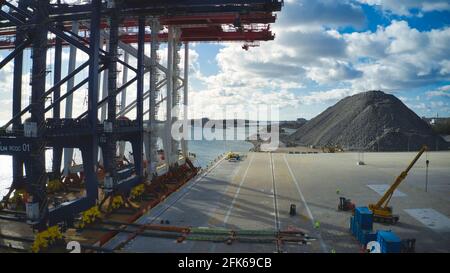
[85, 27]
[382, 212]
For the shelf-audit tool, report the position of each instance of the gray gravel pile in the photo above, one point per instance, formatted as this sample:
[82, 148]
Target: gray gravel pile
[372, 121]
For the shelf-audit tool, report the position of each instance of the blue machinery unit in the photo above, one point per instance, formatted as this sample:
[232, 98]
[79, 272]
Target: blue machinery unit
[361, 227]
[26, 141]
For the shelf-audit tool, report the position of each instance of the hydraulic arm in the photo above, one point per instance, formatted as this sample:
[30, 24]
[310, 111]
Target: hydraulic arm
[381, 211]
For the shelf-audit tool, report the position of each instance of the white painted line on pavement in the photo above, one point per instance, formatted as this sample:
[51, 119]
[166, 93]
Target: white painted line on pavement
[322, 243]
[274, 194]
[225, 220]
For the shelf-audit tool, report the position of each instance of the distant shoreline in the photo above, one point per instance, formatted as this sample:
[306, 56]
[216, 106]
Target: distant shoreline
[226, 122]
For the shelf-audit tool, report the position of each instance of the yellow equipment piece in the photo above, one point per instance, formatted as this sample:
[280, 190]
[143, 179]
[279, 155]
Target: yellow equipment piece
[232, 155]
[328, 149]
[89, 216]
[46, 238]
[137, 191]
[332, 149]
[381, 212]
[317, 225]
[54, 185]
[117, 202]
[17, 198]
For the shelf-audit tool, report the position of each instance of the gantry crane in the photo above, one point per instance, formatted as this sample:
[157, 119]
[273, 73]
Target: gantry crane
[26, 24]
[381, 211]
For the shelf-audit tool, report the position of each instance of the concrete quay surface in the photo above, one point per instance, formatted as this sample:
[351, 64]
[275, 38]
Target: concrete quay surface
[256, 193]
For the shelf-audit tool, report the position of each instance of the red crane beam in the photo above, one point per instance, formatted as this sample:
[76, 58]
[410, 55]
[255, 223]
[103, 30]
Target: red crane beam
[189, 20]
[206, 34]
[210, 35]
[220, 19]
[195, 28]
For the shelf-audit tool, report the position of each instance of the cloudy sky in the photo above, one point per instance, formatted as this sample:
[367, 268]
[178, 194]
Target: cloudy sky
[324, 50]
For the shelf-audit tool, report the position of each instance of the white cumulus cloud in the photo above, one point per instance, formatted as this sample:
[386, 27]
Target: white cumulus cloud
[404, 7]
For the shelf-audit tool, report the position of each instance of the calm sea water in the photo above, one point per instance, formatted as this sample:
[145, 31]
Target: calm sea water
[206, 150]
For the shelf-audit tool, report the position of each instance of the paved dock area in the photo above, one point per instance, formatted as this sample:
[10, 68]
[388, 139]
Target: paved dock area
[257, 192]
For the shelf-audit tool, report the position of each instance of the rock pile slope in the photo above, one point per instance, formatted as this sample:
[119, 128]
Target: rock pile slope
[373, 121]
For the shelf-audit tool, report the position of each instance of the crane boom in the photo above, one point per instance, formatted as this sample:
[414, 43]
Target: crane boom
[400, 179]
[381, 209]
